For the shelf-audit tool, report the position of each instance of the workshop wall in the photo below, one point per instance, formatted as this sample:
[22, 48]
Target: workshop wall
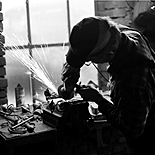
[3, 80]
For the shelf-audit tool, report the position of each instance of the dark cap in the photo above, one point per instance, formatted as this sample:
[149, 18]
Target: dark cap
[146, 20]
[83, 38]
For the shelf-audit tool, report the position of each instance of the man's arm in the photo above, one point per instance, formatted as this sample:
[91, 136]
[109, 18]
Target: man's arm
[130, 112]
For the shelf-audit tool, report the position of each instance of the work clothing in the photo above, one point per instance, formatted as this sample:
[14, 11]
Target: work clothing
[133, 94]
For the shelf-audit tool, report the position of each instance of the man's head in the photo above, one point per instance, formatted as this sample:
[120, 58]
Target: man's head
[145, 22]
[89, 40]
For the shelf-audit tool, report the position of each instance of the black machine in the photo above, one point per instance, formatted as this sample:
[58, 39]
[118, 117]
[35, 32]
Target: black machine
[70, 117]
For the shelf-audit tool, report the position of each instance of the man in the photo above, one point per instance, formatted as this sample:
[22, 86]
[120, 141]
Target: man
[145, 22]
[131, 60]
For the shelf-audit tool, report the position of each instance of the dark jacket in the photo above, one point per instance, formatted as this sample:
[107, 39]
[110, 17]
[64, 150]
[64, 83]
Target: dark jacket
[133, 94]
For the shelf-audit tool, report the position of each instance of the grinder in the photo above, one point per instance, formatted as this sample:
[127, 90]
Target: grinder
[66, 90]
[70, 77]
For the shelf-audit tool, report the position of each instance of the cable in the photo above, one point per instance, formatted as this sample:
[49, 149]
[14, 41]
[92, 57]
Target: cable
[101, 73]
[129, 3]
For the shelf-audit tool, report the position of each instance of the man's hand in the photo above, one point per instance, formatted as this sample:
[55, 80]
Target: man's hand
[69, 76]
[70, 72]
[89, 94]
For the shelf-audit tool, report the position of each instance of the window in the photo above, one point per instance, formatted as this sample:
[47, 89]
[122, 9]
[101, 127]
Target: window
[48, 21]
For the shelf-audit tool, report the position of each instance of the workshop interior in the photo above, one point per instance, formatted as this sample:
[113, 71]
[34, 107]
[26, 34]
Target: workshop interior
[34, 118]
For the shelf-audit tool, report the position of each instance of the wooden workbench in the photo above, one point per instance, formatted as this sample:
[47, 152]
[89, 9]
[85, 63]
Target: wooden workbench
[35, 141]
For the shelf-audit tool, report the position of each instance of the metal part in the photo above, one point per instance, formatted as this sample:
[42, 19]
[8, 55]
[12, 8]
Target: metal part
[21, 123]
[66, 91]
[9, 117]
[56, 109]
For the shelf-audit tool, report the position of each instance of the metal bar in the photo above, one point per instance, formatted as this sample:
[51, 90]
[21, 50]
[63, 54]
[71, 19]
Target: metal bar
[36, 46]
[21, 123]
[32, 90]
[68, 18]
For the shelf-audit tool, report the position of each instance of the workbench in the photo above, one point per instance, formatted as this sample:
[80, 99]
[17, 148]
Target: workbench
[43, 140]
[15, 143]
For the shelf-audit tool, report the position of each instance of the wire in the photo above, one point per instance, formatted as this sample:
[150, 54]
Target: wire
[129, 4]
[100, 73]
[10, 108]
